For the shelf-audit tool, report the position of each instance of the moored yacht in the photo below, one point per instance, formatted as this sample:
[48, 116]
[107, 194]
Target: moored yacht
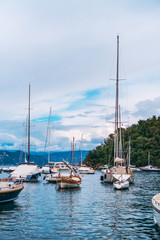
[149, 167]
[59, 170]
[121, 169]
[85, 170]
[9, 190]
[28, 172]
[70, 180]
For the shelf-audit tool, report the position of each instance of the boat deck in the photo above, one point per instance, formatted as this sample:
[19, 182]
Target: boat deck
[157, 198]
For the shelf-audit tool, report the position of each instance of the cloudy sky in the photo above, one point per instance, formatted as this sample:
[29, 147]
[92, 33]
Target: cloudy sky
[66, 50]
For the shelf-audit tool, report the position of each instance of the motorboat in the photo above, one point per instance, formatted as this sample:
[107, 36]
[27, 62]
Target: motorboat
[70, 180]
[9, 190]
[121, 185]
[28, 171]
[60, 170]
[155, 202]
[86, 170]
[9, 169]
[150, 168]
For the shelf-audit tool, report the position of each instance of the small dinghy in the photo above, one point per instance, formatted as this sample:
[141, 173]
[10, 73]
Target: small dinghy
[120, 185]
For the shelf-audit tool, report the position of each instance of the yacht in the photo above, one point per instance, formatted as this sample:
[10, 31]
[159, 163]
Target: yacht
[9, 190]
[121, 170]
[149, 167]
[85, 170]
[28, 171]
[68, 178]
[59, 170]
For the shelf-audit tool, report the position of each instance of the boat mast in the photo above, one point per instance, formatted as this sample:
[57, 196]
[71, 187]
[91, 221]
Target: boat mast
[129, 162]
[120, 134]
[81, 147]
[49, 135]
[29, 108]
[72, 151]
[117, 97]
[148, 158]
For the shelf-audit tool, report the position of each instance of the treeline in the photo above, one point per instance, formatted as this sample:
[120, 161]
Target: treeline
[145, 138]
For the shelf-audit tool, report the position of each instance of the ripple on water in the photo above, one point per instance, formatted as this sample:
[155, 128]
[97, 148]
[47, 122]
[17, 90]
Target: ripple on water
[94, 211]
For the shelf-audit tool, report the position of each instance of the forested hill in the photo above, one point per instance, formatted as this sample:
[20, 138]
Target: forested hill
[145, 137]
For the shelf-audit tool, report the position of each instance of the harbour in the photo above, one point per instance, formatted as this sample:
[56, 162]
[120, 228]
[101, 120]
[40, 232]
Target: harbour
[94, 211]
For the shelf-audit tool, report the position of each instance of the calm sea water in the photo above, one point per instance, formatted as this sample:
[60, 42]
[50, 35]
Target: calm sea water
[94, 211]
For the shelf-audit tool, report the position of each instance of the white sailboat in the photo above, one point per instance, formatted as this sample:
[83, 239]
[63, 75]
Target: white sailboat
[149, 167]
[120, 169]
[27, 172]
[48, 168]
[121, 184]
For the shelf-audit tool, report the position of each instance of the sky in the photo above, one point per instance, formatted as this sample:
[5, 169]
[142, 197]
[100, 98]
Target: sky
[66, 51]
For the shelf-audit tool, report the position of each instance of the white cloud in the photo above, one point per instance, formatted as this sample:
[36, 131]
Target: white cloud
[66, 48]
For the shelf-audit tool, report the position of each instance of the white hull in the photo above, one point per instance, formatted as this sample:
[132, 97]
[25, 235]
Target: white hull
[155, 202]
[121, 185]
[110, 178]
[86, 171]
[62, 185]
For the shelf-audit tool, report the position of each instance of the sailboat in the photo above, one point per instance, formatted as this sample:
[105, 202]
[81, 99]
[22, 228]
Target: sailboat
[121, 183]
[120, 170]
[71, 179]
[28, 171]
[149, 167]
[48, 168]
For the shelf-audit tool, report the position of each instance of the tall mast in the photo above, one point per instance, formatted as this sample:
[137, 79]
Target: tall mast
[129, 160]
[29, 108]
[72, 151]
[117, 96]
[49, 140]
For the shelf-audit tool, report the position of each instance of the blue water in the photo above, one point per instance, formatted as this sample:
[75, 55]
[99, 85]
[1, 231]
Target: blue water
[94, 211]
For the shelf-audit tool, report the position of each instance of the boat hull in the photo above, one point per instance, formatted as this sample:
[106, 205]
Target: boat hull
[110, 178]
[121, 185]
[155, 202]
[10, 195]
[69, 182]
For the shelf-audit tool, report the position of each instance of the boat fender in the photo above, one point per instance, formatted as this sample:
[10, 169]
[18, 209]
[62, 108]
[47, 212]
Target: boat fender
[44, 177]
[105, 176]
[131, 172]
[101, 178]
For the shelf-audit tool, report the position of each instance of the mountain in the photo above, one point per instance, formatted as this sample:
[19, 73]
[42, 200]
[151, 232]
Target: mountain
[145, 137]
[39, 158]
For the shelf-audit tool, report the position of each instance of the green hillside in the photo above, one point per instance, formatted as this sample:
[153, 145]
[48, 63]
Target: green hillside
[145, 137]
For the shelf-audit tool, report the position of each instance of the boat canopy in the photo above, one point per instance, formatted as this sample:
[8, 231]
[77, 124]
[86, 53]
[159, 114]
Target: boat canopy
[119, 160]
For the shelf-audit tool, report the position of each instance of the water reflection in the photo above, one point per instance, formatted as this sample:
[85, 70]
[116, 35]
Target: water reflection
[93, 211]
